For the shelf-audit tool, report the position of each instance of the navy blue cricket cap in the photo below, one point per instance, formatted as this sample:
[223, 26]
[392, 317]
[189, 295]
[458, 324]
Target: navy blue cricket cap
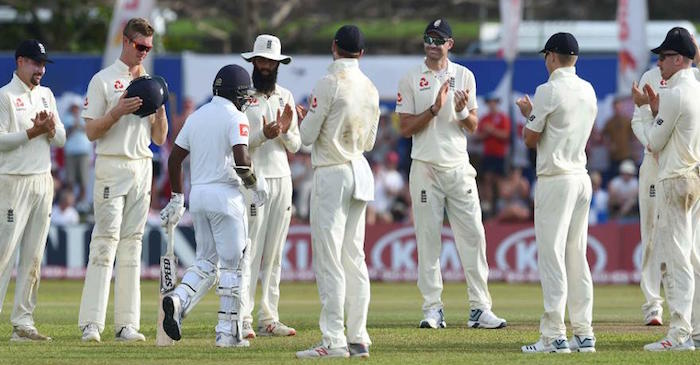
[31, 48]
[678, 39]
[562, 43]
[439, 26]
[349, 38]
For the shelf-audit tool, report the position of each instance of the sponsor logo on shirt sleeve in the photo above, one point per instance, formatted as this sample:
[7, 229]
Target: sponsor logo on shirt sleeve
[243, 130]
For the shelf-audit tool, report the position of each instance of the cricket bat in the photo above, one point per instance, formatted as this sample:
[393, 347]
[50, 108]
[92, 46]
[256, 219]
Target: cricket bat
[168, 280]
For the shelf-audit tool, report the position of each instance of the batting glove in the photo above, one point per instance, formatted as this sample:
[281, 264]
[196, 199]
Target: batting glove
[172, 213]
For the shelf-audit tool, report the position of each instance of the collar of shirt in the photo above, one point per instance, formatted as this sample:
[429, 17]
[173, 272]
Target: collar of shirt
[20, 85]
[220, 100]
[680, 75]
[122, 67]
[342, 63]
[449, 69]
[563, 72]
[274, 92]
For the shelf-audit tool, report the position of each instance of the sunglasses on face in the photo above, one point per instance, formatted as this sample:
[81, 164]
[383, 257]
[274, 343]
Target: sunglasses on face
[139, 47]
[434, 40]
[662, 56]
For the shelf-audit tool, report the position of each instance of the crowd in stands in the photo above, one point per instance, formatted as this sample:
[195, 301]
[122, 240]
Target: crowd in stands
[505, 169]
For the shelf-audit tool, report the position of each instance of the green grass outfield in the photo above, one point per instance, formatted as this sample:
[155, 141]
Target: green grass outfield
[393, 318]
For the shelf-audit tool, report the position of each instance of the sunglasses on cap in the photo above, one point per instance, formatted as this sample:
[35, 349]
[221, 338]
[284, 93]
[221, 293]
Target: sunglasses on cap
[434, 40]
[139, 47]
[663, 55]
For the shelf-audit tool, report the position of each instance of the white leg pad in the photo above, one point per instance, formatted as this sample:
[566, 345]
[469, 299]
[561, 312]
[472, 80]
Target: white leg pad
[196, 283]
[229, 293]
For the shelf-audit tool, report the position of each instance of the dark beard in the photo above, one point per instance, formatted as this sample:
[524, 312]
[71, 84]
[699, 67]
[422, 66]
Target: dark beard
[262, 83]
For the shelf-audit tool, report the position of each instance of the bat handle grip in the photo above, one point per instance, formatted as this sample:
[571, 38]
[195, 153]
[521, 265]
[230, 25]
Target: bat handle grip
[170, 248]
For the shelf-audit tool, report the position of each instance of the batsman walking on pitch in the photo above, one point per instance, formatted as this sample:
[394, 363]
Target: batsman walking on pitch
[215, 137]
[29, 125]
[672, 130]
[273, 132]
[341, 124]
[436, 104]
[122, 188]
[559, 122]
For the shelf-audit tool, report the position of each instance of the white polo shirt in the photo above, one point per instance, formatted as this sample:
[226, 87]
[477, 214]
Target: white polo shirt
[675, 132]
[443, 141]
[209, 134]
[131, 135]
[270, 156]
[564, 111]
[18, 105]
[642, 117]
[343, 116]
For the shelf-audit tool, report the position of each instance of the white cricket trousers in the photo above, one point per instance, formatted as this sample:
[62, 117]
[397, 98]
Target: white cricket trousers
[25, 210]
[267, 228]
[434, 191]
[121, 196]
[650, 280]
[562, 204]
[677, 232]
[337, 241]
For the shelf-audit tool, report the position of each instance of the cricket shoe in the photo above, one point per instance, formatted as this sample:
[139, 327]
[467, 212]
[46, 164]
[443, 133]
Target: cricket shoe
[129, 334]
[27, 333]
[247, 330]
[91, 333]
[358, 350]
[582, 343]
[172, 319]
[321, 351]
[696, 342]
[668, 344]
[653, 318]
[434, 318]
[229, 340]
[276, 328]
[560, 345]
[485, 319]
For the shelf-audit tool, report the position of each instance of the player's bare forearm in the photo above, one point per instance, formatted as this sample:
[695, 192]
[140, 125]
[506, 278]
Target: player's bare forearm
[177, 155]
[471, 122]
[410, 124]
[159, 126]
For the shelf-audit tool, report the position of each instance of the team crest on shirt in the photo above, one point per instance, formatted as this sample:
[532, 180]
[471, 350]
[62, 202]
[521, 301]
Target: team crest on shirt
[118, 85]
[243, 130]
[399, 99]
[423, 84]
[44, 102]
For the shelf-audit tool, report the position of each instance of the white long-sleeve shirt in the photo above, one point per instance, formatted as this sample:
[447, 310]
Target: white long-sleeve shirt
[18, 105]
[675, 132]
[270, 156]
[343, 116]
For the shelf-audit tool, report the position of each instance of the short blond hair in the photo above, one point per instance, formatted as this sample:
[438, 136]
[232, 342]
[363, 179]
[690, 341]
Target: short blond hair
[138, 25]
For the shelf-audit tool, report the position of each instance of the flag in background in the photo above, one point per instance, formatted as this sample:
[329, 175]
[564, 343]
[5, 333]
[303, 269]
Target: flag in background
[123, 11]
[511, 13]
[633, 57]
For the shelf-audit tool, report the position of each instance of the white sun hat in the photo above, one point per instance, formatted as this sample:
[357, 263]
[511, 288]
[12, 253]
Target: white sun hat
[267, 46]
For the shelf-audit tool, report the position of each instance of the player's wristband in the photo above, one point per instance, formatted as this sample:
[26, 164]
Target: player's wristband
[431, 110]
[463, 114]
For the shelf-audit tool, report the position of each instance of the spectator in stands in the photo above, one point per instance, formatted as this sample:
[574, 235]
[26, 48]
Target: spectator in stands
[388, 185]
[619, 136]
[302, 180]
[597, 152]
[513, 203]
[64, 213]
[599, 200]
[494, 131]
[78, 153]
[623, 192]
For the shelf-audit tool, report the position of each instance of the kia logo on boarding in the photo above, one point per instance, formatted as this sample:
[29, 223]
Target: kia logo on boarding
[396, 251]
[524, 256]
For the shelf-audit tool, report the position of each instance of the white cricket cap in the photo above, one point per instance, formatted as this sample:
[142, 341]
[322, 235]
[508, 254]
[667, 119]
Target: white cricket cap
[267, 46]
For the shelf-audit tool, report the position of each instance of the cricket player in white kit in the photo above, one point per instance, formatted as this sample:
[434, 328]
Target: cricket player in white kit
[675, 135]
[436, 104]
[122, 188]
[650, 281]
[215, 137]
[341, 124]
[29, 125]
[273, 131]
[559, 124]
